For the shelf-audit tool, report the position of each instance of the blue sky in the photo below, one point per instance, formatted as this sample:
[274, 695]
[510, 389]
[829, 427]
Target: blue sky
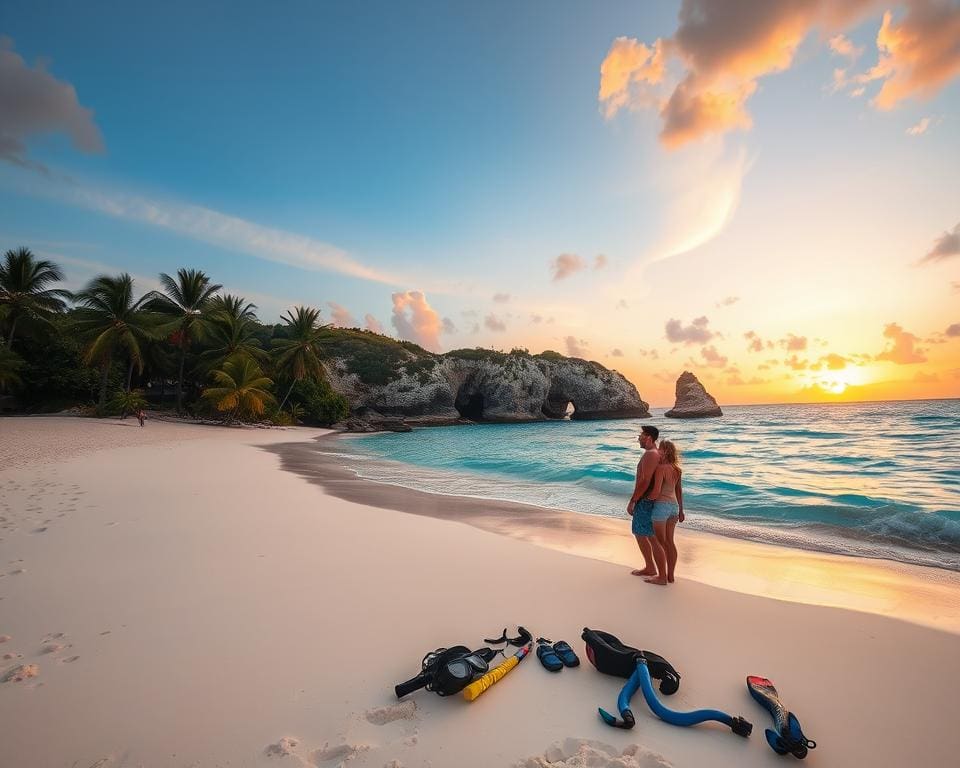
[459, 149]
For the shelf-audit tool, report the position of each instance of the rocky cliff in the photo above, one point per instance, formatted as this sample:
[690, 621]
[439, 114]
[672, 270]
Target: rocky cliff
[381, 377]
[693, 401]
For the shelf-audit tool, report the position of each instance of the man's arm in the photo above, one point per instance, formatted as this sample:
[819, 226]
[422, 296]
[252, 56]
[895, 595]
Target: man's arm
[680, 500]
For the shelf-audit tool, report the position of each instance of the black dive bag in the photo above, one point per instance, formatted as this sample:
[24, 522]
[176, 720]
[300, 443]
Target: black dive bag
[612, 657]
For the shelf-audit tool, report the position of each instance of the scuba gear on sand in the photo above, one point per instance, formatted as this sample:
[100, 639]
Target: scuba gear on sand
[787, 736]
[477, 687]
[523, 638]
[447, 671]
[641, 679]
[613, 657]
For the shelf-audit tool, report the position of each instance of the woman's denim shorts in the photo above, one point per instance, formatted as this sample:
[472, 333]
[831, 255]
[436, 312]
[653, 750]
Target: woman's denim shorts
[664, 510]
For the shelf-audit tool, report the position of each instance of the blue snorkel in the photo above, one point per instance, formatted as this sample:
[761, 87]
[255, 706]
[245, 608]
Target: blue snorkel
[640, 679]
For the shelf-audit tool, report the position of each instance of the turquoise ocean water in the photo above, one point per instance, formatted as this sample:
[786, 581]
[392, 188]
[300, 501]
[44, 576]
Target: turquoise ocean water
[865, 479]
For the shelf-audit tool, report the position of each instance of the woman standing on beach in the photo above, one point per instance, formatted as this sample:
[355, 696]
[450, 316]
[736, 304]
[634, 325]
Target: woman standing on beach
[667, 498]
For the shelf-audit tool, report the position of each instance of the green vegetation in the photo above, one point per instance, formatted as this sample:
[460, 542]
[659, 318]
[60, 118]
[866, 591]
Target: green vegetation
[123, 351]
[242, 390]
[375, 359]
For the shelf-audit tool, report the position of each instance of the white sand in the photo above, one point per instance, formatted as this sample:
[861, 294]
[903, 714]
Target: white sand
[187, 603]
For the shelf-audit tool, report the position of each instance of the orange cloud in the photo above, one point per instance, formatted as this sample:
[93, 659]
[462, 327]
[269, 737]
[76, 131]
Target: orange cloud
[833, 361]
[416, 320]
[724, 48]
[843, 46]
[794, 343]
[902, 348]
[372, 324]
[919, 54]
[626, 73]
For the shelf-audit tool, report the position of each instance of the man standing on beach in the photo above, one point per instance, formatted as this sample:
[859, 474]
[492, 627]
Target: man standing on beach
[641, 508]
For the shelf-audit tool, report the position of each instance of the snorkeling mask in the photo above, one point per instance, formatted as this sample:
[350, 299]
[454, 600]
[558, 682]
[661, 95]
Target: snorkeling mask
[447, 671]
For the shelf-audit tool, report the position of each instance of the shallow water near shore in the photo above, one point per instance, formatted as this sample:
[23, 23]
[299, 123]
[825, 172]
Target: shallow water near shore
[877, 480]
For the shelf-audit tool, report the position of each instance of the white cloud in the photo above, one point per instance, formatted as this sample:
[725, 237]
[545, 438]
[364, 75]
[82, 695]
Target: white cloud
[341, 316]
[920, 128]
[372, 324]
[416, 320]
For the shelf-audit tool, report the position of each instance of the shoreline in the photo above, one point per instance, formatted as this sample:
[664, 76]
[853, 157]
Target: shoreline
[924, 595]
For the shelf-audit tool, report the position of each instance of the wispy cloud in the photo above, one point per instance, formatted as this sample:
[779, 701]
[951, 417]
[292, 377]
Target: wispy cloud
[372, 324]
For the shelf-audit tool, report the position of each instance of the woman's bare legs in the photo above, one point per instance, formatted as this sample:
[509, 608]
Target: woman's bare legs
[671, 548]
[658, 542]
[649, 569]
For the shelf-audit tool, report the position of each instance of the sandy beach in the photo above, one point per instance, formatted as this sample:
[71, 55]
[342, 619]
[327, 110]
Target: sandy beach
[193, 596]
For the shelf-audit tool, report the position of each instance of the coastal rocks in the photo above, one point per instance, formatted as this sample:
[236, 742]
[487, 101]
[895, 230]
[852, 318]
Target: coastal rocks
[693, 401]
[481, 385]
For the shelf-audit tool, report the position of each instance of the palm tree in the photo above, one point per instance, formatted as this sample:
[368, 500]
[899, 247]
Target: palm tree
[184, 301]
[111, 319]
[25, 291]
[299, 354]
[231, 331]
[10, 363]
[242, 389]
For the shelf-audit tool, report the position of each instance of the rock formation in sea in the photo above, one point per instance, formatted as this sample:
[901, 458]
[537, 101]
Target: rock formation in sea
[390, 384]
[693, 401]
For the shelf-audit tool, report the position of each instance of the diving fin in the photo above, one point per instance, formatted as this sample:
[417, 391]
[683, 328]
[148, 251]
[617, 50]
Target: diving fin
[786, 737]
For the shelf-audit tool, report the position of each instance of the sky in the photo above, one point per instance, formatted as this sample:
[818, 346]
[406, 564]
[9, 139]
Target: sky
[765, 194]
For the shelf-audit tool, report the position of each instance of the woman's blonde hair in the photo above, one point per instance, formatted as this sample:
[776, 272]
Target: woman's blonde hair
[670, 453]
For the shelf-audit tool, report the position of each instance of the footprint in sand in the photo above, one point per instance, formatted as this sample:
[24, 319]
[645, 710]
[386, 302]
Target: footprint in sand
[406, 710]
[20, 673]
[579, 752]
[341, 753]
[42, 529]
[106, 632]
[283, 748]
[70, 660]
[18, 571]
[52, 648]
[5, 638]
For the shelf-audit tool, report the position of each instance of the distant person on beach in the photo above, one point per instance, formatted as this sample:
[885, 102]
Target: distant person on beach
[141, 416]
[667, 496]
[640, 507]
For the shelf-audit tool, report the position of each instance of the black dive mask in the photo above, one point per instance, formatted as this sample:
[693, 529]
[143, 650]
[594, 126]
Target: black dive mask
[447, 671]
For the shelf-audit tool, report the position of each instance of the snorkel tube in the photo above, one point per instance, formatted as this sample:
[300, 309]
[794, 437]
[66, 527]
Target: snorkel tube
[640, 679]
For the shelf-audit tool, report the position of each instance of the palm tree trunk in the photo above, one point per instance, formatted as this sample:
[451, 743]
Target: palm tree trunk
[129, 374]
[283, 402]
[183, 356]
[13, 330]
[103, 387]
